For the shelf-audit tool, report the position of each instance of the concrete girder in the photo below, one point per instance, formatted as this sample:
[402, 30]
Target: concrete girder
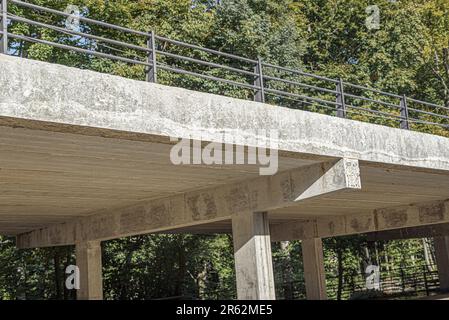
[413, 215]
[198, 207]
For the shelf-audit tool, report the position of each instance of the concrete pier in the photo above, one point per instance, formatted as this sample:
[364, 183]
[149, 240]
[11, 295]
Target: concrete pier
[253, 262]
[88, 260]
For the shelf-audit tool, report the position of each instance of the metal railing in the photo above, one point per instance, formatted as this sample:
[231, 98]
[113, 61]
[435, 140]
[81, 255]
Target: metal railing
[262, 81]
[395, 282]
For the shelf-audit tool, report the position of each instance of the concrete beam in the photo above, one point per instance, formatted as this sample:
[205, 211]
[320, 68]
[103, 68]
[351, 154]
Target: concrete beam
[420, 214]
[253, 260]
[442, 258]
[88, 260]
[436, 230]
[198, 207]
[314, 275]
[46, 96]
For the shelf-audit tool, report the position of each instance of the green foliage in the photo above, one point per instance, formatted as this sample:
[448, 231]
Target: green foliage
[367, 295]
[148, 267]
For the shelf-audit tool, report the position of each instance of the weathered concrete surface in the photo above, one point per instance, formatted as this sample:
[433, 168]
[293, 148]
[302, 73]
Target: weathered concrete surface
[413, 215]
[253, 261]
[442, 258]
[75, 144]
[88, 260]
[314, 275]
[428, 231]
[53, 93]
[85, 157]
[198, 207]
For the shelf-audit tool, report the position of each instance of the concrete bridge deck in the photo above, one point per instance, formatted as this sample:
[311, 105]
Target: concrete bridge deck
[85, 157]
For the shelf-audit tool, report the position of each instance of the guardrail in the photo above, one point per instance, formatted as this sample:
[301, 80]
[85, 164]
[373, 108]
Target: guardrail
[420, 280]
[263, 81]
[395, 282]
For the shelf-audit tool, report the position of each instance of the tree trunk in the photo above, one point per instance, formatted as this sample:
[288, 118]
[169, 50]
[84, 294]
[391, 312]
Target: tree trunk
[340, 271]
[427, 255]
[57, 274]
[181, 271]
[287, 271]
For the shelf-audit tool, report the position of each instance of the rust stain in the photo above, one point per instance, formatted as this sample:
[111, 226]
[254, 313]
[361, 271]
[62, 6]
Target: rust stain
[158, 214]
[432, 213]
[211, 207]
[396, 218]
[254, 199]
[132, 220]
[331, 226]
[298, 232]
[192, 203]
[286, 189]
[237, 200]
[359, 226]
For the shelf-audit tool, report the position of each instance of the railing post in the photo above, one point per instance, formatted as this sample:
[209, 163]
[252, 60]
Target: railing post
[404, 113]
[426, 286]
[152, 70]
[402, 280]
[4, 26]
[341, 106]
[258, 82]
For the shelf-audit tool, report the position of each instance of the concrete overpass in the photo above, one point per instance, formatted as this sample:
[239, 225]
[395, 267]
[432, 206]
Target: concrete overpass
[85, 157]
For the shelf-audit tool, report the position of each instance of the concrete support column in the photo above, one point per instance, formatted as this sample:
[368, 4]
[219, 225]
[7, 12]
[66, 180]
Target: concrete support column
[442, 259]
[253, 261]
[88, 260]
[313, 261]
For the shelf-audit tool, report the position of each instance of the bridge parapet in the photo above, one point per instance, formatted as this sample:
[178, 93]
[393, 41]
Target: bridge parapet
[254, 78]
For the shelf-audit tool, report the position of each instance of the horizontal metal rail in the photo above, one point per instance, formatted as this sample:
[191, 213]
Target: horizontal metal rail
[372, 100]
[375, 111]
[205, 63]
[279, 92]
[77, 33]
[207, 77]
[301, 101]
[81, 18]
[260, 77]
[80, 50]
[300, 72]
[392, 95]
[211, 51]
[300, 84]
[429, 113]
[427, 103]
[373, 115]
[413, 120]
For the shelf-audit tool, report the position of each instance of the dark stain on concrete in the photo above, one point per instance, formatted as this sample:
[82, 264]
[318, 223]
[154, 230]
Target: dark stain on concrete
[286, 188]
[192, 203]
[358, 226]
[211, 207]
[431, 213]
[396, 218]
[331, 226]
[238, 200]
[158, 215]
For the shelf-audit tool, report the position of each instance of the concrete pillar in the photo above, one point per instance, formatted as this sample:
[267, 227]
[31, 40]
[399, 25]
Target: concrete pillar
[88, 260]
[442, 258]
[252, 251]
[313, 261]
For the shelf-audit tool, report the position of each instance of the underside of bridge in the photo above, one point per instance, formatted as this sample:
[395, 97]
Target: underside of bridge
[85, 157]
